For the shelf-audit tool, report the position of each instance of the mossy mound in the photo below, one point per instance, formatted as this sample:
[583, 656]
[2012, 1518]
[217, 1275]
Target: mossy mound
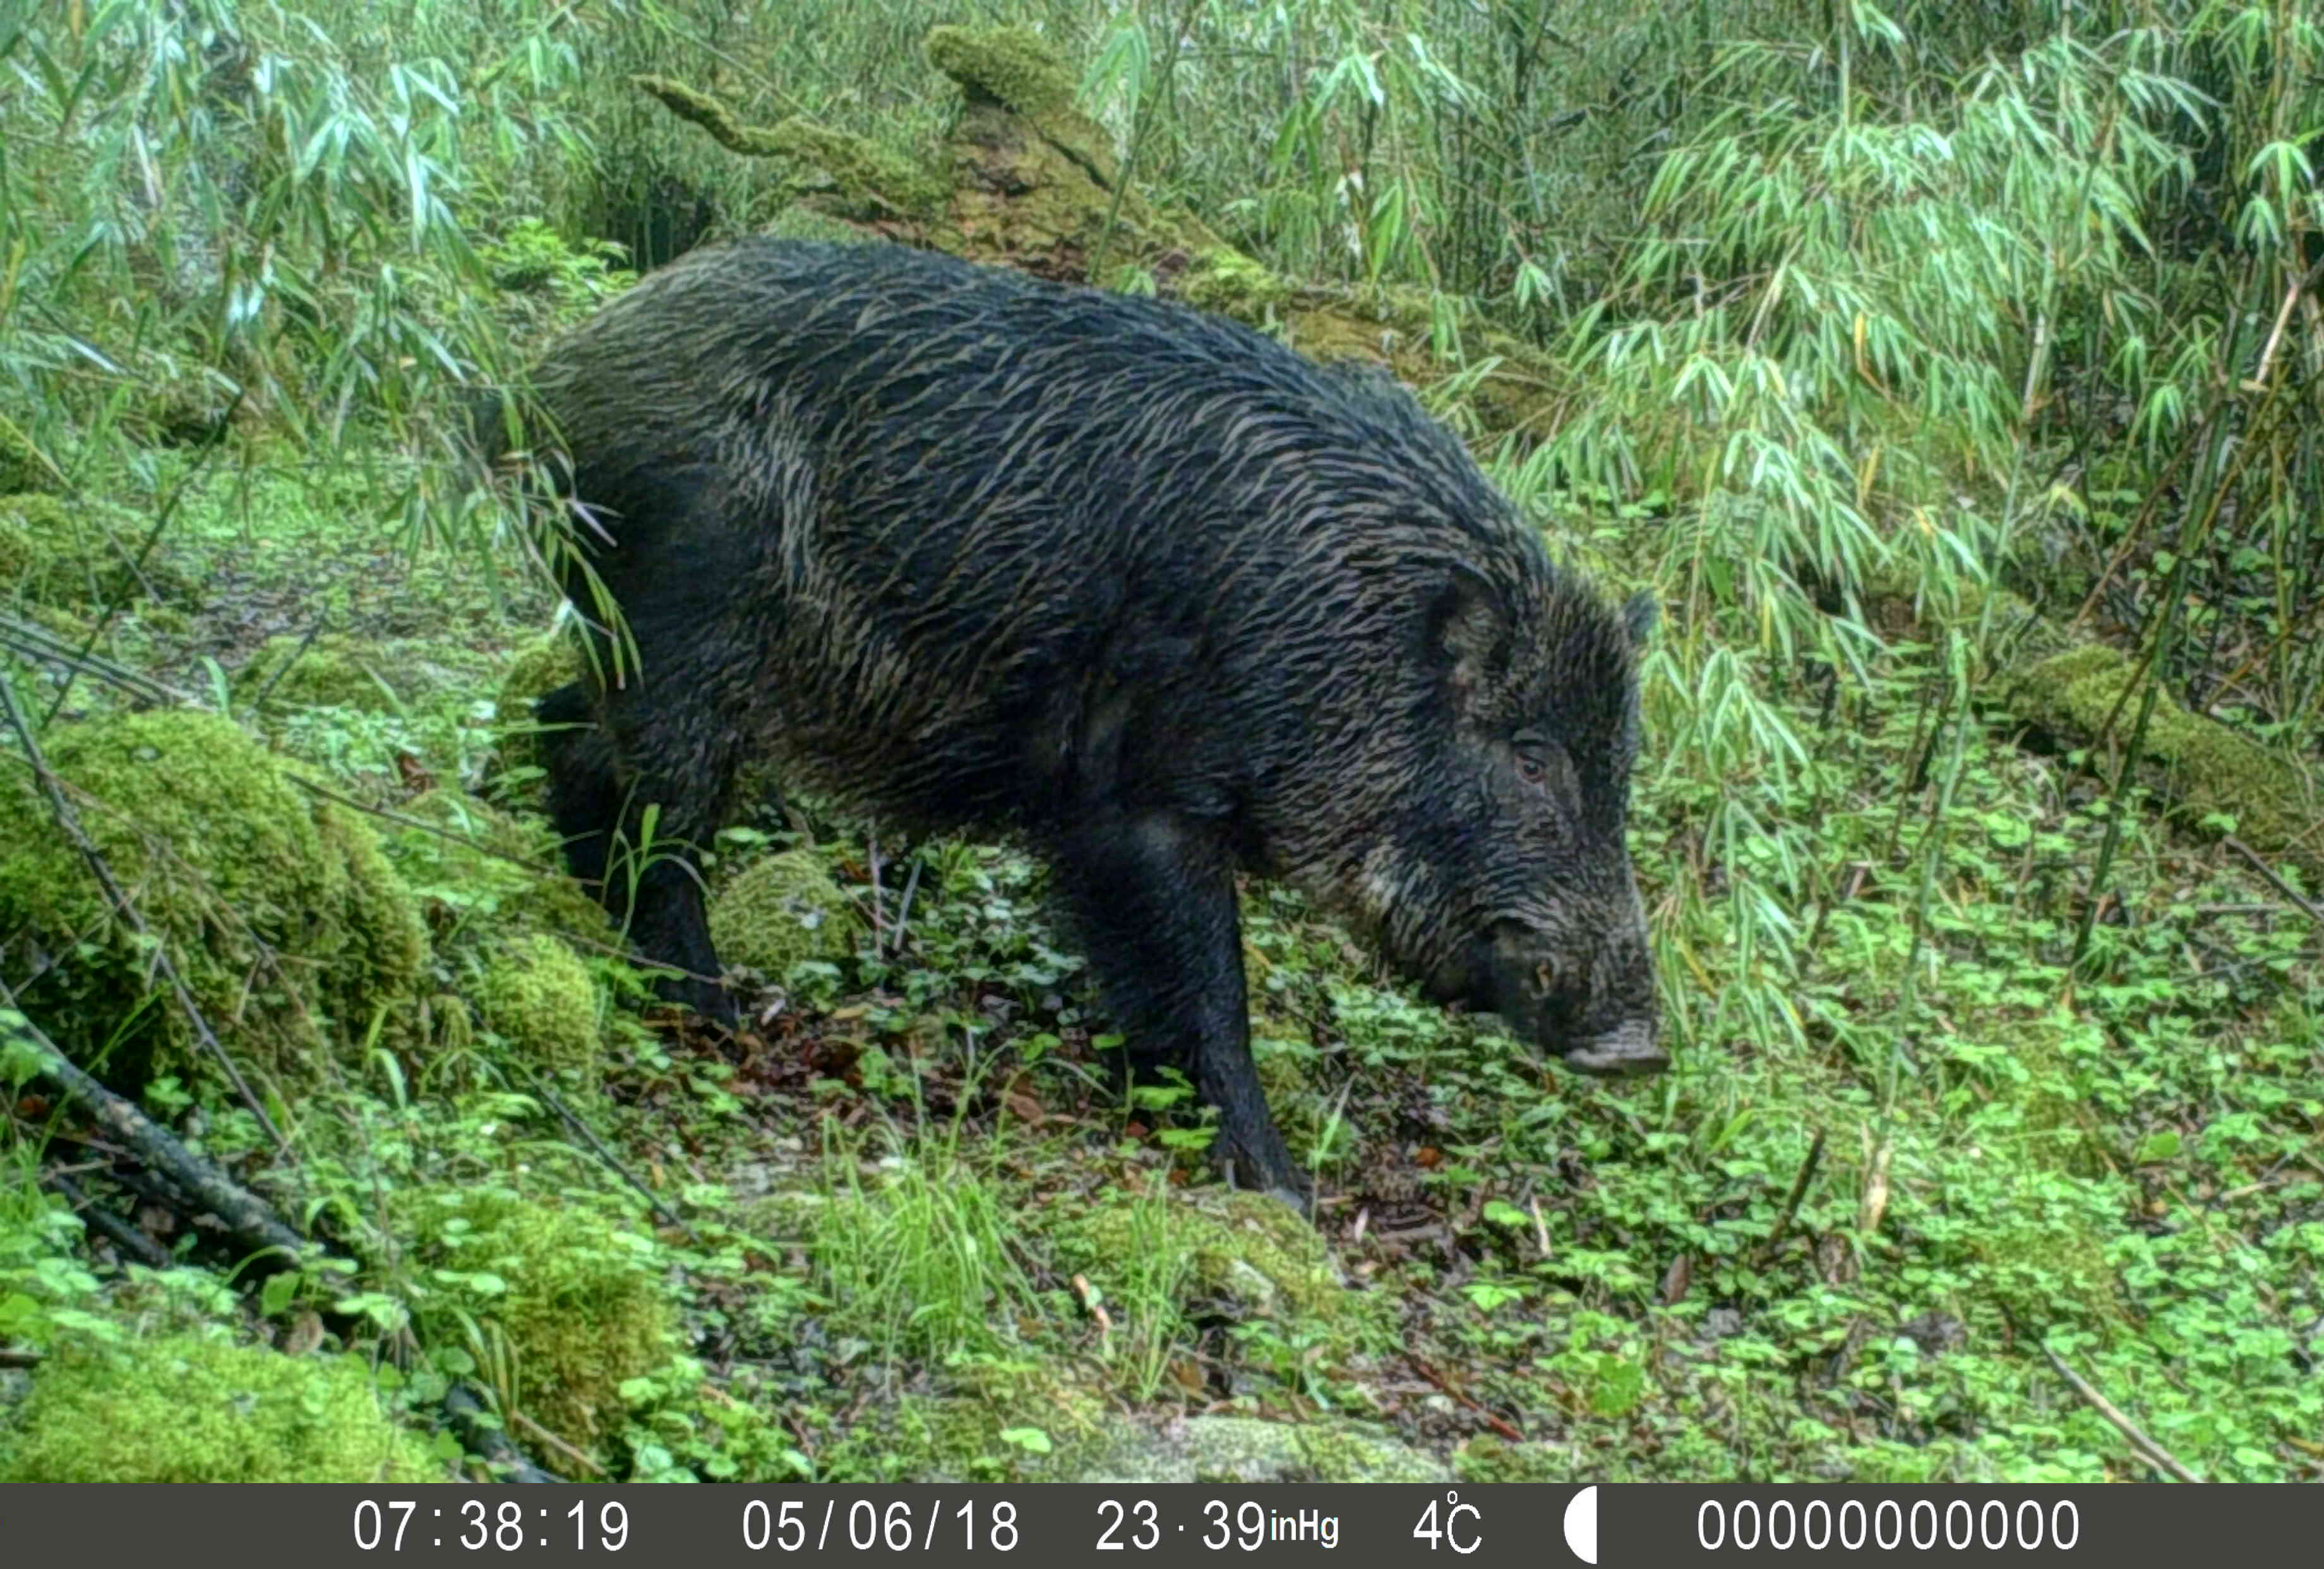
[1244, 1252]
[582, 1305]
[482, 872]
[781, 910]
[1013, 68]
[2201, 765]
[535, 993]
[52, 554]
[278, 909]
[188, 1409]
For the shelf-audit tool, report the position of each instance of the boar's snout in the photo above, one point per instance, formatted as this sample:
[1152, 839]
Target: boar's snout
[1594, 1011]
[1627, 1048]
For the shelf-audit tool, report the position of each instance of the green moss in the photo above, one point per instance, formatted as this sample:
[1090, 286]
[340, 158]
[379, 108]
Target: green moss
[582, 1303]
[288, 925]
[799, 221]
[1486, 1458]
[1021, 1425]
[21, 465]
[1013, 68]
[535, 993]
[2202, 765]
[1232, 285]
[188, 1410]
[779, 910]
[1010, 65]
[58, 555]
[851, 177]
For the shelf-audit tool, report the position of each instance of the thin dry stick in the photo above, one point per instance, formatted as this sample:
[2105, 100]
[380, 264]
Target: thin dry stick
[405, 820]
[211, 442]
[2149, 1451]
[2314, 911]
[554, 1441]
[904, 908]
[297, 654]
[605, 1155]
[69, 822]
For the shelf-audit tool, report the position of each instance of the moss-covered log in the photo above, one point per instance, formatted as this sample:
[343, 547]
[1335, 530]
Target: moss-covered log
[1026, 180]
[2083, 695]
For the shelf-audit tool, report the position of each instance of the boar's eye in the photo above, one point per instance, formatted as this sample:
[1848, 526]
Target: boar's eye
[1533, 758]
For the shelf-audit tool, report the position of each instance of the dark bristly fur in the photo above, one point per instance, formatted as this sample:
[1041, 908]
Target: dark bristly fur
[1131, 582]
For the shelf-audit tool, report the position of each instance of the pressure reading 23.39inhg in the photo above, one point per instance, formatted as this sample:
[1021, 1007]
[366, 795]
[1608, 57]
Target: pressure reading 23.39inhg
[1138, 1526]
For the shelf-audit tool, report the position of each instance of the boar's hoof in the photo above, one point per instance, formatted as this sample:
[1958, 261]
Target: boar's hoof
[1629, 1049]
[709, 1001]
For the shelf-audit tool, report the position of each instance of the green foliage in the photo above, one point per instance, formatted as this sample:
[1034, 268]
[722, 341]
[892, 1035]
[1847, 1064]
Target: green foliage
[1907, 358]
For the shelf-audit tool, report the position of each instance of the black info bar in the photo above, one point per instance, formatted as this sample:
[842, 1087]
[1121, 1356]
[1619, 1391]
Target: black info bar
[1628, 1526]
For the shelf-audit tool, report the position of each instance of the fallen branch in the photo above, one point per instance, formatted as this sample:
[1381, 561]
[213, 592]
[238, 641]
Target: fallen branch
[1506, 1429]
[2154, 1454]
[2314, 911]
[247, 1217]
[597, 1146]
[133, 1243]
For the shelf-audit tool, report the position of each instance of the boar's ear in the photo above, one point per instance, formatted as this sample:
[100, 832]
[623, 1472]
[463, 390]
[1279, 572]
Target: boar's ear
[1468, 629]
[1638, 618]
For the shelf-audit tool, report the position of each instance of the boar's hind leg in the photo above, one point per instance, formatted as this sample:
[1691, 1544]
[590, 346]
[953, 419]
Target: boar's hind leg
[1154, 897]
[598, 805]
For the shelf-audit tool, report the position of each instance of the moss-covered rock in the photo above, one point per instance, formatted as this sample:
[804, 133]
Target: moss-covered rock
[188, 1409]
[1027, 1427]
[535, 993]
[582, 1303]
[781, 910]
[1486, 1458]
[287, 923]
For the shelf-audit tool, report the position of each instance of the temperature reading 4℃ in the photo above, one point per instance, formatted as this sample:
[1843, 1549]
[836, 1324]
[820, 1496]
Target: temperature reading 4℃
[1451, 1524]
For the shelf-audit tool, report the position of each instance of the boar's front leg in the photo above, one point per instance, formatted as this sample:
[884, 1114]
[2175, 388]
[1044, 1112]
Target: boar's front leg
[600, 817]
[1153, 895]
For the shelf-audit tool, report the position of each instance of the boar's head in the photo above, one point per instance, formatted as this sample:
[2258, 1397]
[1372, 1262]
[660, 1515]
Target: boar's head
[1507, 884]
